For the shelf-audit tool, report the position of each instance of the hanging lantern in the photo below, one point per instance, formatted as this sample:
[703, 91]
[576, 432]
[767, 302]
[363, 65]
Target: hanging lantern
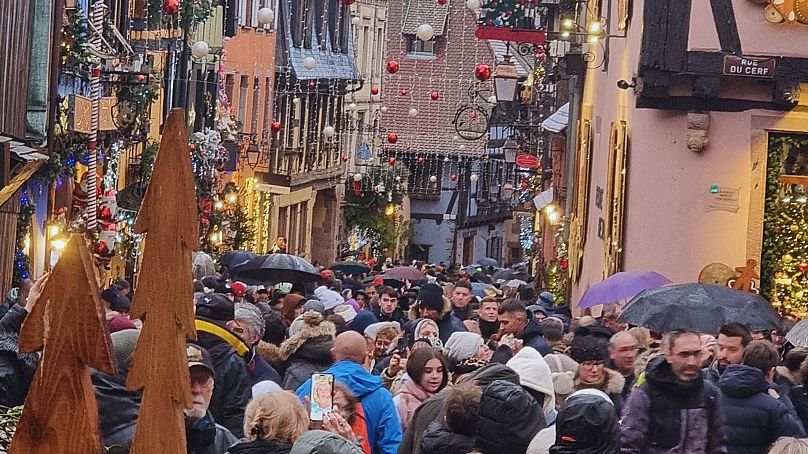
[374, 91]
[473, 4]
[433, 179]
[473, 178]
[329, 131]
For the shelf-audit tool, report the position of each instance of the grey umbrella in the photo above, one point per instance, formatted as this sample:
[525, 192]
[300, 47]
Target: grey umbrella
[700, 307]
[798, 335]
[273, 268]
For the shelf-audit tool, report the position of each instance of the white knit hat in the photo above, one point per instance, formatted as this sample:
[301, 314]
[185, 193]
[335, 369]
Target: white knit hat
[463, 345]
[346, 311]
[328, 297]
[373, 329]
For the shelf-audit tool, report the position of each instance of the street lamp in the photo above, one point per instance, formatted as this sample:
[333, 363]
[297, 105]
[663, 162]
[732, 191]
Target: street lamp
[505, 80]
[509, 149]
[253, 155]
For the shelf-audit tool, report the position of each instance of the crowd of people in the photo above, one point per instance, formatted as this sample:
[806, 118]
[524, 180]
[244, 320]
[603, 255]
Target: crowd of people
[441, 368]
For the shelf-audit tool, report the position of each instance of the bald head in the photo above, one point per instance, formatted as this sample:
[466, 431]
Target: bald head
[350, 346]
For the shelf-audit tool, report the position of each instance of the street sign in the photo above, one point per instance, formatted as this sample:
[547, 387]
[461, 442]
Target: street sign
[762, 68]
[527, 161]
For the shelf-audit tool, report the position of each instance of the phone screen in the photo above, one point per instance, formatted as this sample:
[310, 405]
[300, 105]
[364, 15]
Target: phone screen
[322, 396]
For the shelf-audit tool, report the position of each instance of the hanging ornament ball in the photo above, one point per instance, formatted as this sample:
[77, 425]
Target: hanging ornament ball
[171, 7]
[295, 101]
[140, 77]
[392, 137]
[482, 72]
[309, 63]
[403, 92]
[463, 146]
[383, 109]
[348, 2]
[413, 112]
[446, 159]
[421, 160]
[192, 147]
[795, 228]
[391, 161]
[352, 106]
[453, 177]
[374, 91]
[425, 32]
[200, 49]
[101, 249]
[355, 20]
[441, 2]
[455, 137]
[312, 84]
[398, 178]
[329, 131]
[276, 126]
[266, 16]
[788, 258]
[392, 66]
[473, 178]
[357, 177]
[434, 95]
[433, 179]
[473, 4]
[344, 159]
[803, 266]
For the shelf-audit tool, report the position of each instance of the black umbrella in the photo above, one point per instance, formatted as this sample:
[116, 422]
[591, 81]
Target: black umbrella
[488, 262]
[510, 274]
[351, 267]
[700, 307]
[232, 259]
[275, 268]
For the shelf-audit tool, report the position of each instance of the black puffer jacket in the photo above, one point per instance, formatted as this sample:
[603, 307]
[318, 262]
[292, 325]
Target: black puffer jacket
[532, 336]
[117, 408]
[311, 357]
[16, 370]
[232, 390]
[586, 424]
[509, 418]
[753, 419]
[439, 440]
[260, 447]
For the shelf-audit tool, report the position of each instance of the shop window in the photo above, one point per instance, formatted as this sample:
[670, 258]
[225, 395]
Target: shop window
[784, 272]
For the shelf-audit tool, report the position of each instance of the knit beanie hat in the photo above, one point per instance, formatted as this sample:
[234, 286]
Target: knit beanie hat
[463, 345]
[362, 320]
[430, 296]
[123, 346]
[314, 305]
[591, 343]
[347, 312]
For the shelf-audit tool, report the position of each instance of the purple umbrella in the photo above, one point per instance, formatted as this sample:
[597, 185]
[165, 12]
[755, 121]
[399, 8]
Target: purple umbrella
[621, 286]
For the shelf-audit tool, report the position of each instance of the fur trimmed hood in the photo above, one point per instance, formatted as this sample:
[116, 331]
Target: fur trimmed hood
[9, 342]
[314, 325]
[613, 385]
[447, 309]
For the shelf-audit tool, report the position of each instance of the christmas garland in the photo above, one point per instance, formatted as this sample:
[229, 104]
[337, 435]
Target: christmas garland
[22, 262]
[366, 201]
[185, 13]
[74, 54]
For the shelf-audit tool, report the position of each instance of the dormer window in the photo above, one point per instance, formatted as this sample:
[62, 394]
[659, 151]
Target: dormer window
[420, 49]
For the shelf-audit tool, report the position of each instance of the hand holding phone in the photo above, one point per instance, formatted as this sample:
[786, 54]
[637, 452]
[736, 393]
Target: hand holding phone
[322, 396]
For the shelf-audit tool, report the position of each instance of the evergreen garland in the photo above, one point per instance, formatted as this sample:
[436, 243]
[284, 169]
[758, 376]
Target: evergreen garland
[22, 262]
[502, 13]
[74, 51]
[365, 207]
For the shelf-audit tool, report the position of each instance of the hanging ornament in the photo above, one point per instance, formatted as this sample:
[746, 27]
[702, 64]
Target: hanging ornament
[473, 4]
[392, 137]
[403, 92]
[803, 266]
[276, 126]
[374, 91]
[463, 146]
[383, 109]
[455, 138]
[329, 131]
[266, 16]
[312, 84]
[446, 159]
[413, 112]
[392, 66]
[357, 177]
[348, 2]
[391, 161]
[441, 2]
[453, 177]
[140, 77]
[171, 7]
[344, 159]
[473, 178]
[434, 95]
[352, 107]
[192, 147]
[425, 32]
[482, 72]
[309, 63]
[433, 179]
[101, 249]
[421, 160]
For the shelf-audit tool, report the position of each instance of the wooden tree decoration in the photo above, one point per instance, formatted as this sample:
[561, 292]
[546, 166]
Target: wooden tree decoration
[165, 295]
[67, 323]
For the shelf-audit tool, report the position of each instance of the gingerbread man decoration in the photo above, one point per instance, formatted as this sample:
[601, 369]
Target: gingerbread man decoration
[779, 11]
[747, 275]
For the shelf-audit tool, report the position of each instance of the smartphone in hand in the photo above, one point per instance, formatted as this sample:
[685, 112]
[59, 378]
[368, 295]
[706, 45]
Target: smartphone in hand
[322, 396]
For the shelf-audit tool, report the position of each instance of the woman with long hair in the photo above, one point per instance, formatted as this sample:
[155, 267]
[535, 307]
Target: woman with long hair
[427, 373]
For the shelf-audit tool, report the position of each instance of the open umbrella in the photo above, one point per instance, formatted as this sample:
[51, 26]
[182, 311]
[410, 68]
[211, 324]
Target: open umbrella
[202, 265]
[274, 268]
[405, 273]
[478, 289]
[700, 307]
[351, 267]
[798, 335]
[488, 261]
[621, 286]
[232, 259]
[510, 274]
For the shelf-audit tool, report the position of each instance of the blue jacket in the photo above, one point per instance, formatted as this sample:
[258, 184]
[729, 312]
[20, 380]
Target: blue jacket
[753, 419]
[384, 428]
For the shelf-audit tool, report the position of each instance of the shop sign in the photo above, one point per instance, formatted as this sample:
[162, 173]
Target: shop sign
[762, 68]
[527, 161]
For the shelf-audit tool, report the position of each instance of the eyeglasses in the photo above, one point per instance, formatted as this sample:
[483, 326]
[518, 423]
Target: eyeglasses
[592, 364]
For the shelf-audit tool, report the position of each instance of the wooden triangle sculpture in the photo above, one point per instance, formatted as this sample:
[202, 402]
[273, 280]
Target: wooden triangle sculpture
[67, 324]
[164, 295]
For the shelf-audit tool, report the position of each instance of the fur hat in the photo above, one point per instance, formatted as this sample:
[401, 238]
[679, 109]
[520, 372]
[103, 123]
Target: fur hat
[591, 343]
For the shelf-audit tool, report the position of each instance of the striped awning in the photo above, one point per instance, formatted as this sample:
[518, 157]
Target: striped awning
[558, 121]
[420, 12]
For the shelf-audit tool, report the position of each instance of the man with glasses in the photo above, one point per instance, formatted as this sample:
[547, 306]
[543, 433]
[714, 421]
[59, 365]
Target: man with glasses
[672, 409]
[204, 436]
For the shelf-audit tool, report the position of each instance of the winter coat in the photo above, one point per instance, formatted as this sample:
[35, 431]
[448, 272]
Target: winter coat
[586, 424]
[752, 418]
[206, 437]
[534, 374]
[712, 373]
[409, 396]
[661, 409]
[322, 442]
[439, 440]
[612, 386]
[12, 320]
[532, 337]
[509, 418]
[16, 370]
[308, 351]
[799, 398]
[431, 410]
[232, 387]
[260, 447]
[384, 428]
[117, 408]
[260, 370]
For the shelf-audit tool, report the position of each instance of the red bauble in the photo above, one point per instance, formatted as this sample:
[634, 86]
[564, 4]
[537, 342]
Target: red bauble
[403, 92]
[392, 66]
[105, 214]
[441, 2]
[392, 137]
[140, 77]
[803, 266]
[564, 264]
[483, 72]
[435, 96]
[391, 161]
[348, 2]
[453, 177]
[374, 91]
[276, 126]
[192, 147]
[312, 84]
[171, 7]
[344, 159]
[421, 160]
[489, 21]
[101, 249]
